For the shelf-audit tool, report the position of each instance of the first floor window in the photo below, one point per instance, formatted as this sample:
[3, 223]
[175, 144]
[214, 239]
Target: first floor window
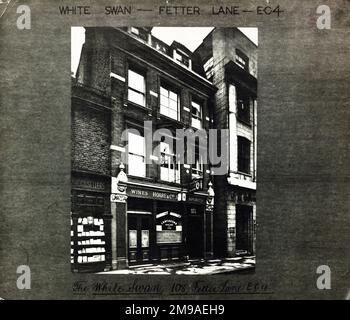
[169, 167]
[197, 166]
[136, 88]
[243, 155]
[169, 102]
[196, 111]
[136, 155]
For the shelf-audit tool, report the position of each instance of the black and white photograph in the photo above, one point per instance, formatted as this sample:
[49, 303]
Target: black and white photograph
[184, 153]
[164, 150]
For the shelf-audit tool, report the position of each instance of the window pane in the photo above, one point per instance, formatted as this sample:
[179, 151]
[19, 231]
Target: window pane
[164, 101]
[136, 81]
[136, 144]
[164, 110]
[173, 114]
[137, 166]
[196, 123]
[136, 97]
[173, 95]
[164, 173]
[173, 105]
[163, 92]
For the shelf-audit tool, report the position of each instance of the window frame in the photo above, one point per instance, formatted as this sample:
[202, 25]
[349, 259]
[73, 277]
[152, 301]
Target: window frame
[137, 91]
[136, 154]
[243, 116]
[170, 89]
[199, 169]
[171, 160]
[197, 117]
[182, 58]
[243, 155]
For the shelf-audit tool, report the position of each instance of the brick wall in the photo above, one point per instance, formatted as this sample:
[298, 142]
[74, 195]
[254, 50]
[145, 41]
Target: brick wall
[90, 139]
[237, 40]
[95, 64]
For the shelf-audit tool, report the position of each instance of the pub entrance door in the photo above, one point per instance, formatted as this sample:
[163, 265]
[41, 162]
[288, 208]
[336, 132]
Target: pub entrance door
[139, 238]
[244, 227]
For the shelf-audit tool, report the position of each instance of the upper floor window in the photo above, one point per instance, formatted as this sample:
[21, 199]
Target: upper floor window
[135, 30]
[136, 155]
[139, 32]
[196, 112]
[136, 87]
[243, 145]
[242, 60]
[182, 58]
[243, 110]
[169, 102]
[169, 167]
[197, 166]
[209, 68]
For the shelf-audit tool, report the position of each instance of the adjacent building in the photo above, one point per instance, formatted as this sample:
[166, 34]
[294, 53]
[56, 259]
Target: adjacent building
[135, 200]
[229, 60]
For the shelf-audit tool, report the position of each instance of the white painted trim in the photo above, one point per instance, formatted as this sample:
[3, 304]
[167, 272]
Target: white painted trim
[152, 186]
[242, 183]
[116, 76]
[154, 94]
[162, 214]
[139, 212]
[186, 109]
[117, 148]
[175, 214]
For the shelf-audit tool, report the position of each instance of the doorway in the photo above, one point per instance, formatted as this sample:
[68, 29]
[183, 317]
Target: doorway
[139, 239]
[195, 234]
[244, 229]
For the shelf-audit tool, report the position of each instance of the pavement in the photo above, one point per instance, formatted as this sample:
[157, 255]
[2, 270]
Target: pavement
[193, 267]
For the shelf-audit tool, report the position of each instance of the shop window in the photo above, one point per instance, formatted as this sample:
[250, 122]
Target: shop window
[243, 110]
[136, 87]
[88, 241]
[196, 112]
[243, 155]
[169, 102]
[169, 167]
[242, 60]
[168, 228]
[209, 68]
[136, 155]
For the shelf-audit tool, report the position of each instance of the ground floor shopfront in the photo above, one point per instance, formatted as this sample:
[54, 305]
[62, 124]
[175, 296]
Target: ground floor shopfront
[156, 224]
[241, 221]
[114, 226]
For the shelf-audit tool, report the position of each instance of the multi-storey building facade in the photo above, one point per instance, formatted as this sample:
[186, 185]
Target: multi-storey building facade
[229, 60]
[142, 206]
[134, 199]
